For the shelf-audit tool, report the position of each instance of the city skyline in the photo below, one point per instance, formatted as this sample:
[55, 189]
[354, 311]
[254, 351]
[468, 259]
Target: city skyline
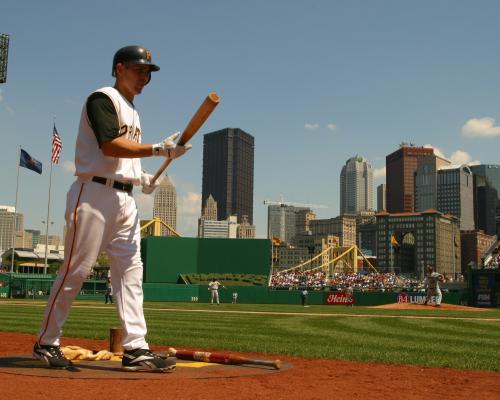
[360, 77]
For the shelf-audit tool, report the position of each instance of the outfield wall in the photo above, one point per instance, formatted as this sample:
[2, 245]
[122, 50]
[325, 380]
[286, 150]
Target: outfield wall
[164, 258]
[264, 295]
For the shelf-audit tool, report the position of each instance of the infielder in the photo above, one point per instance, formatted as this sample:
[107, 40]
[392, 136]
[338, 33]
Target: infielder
[101, 213]
[432, 283]
[213, 286]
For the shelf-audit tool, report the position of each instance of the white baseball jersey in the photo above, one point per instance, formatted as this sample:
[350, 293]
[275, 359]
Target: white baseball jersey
[433, 281]
[90, 161]
[214, 285]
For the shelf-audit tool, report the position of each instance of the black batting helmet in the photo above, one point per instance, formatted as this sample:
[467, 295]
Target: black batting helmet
[133, 55]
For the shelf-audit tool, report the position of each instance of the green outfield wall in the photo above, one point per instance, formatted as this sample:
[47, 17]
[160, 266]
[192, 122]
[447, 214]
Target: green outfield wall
[264, 295]
[165, 258]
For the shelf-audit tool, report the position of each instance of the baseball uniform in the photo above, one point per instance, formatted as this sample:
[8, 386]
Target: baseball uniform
[101, 215]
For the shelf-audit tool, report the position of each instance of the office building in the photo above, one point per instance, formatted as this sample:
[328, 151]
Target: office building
[485, 205]
[228, 172]
[408, 242]
[426, 182]
[8, 218]
[209, 211]
[381, 199]
[344, 227]
[401, 166]
[218, 229]
[285, 221]
[165, 205]
[455, 195]
[356, 186]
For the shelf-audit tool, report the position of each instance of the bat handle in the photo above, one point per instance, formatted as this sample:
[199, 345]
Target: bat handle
[160, 170]
[268, 363]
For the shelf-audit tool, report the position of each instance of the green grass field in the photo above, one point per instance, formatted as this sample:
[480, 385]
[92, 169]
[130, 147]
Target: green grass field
[438, 338]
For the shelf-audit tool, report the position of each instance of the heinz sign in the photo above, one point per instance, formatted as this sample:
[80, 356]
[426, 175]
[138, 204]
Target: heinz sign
[339, 299]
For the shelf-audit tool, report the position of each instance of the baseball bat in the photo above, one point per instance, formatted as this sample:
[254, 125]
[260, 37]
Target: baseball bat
[220, 358]
[199, 117]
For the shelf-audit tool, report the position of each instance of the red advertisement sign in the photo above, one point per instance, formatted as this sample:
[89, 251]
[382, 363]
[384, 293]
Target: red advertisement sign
[339, 299]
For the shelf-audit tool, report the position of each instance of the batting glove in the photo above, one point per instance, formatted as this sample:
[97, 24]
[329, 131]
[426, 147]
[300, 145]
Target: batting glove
[168, 148]
[147, 187]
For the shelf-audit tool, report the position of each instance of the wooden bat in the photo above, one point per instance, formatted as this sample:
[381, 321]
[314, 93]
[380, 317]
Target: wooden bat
[199, 117]
[220, 358]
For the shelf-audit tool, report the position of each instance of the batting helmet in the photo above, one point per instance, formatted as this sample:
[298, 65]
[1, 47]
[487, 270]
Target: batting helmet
[133, 55]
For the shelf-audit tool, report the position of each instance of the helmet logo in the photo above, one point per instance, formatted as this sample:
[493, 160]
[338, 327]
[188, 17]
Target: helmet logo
[148, 55]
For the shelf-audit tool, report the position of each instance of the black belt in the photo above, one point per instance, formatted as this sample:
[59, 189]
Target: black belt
[126, 187]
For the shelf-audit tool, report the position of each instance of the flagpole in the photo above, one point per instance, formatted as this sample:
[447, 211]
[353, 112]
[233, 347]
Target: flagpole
[47, 222]
[15, 211]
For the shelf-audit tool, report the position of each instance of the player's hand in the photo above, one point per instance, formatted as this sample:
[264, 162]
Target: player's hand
[147, 187]
[168, 148]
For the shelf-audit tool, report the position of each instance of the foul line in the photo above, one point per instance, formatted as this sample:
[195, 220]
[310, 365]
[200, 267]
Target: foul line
[280, 313]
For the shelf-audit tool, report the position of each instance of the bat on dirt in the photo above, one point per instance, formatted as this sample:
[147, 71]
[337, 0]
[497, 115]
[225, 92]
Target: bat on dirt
[220, 358]
[199, 117]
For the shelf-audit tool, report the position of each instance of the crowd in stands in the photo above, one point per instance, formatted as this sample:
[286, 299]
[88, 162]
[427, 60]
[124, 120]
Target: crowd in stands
[494, 262]
[319, 280]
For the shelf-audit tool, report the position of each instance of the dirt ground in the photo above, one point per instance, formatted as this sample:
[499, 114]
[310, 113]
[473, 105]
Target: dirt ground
[307, 379]
[443, 306]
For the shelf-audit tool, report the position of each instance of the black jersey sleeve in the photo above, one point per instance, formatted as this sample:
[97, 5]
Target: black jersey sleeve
[103, 117]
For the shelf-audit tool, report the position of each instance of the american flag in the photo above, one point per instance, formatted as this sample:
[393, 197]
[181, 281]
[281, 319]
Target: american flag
[56, 146]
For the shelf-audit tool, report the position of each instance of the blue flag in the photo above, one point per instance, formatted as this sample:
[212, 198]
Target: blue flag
[27, 161]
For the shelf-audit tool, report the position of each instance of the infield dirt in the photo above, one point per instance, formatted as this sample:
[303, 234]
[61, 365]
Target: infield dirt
[307, 379]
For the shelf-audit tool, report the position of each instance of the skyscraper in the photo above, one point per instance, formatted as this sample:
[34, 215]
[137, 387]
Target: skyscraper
[228, 165]
[285, 221]
[401, 166]
[381, 199]
[356, 186]
[485, 205]
[165, 205]
[209, 211]
[7, 220]
[426, 182]
[455, 195]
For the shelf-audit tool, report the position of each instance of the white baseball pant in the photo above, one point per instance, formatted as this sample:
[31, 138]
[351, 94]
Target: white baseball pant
[99, 218]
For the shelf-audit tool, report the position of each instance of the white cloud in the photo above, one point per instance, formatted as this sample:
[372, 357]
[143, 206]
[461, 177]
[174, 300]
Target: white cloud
[332, 126]
[69, 166]
[379, 173]
[460, 157]
[144, 204]
[481, 127]
[457, 158]
[188, 212]
[189, 204]
[311, 126]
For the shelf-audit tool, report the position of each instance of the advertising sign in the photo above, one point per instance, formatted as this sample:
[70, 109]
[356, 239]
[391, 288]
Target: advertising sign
[339, 299]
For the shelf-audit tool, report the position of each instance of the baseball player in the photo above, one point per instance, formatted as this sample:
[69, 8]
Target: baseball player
[213, 286]
[432, 283]
[101, 213]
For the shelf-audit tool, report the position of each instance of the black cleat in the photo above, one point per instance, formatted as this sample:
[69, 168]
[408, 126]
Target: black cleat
[146, 360]
[52, 356]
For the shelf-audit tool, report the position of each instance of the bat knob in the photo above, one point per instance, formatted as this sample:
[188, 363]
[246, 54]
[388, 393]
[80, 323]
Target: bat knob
[171, 352]
[277, 364]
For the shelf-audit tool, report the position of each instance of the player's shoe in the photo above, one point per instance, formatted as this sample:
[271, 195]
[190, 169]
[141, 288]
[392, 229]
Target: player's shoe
[146, 360]
[52, 356]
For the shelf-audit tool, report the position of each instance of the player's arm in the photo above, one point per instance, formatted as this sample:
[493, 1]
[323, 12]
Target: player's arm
[103, 119]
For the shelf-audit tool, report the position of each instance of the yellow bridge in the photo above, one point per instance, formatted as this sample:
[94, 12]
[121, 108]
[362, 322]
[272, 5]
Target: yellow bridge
[334, 259]
[153, 226]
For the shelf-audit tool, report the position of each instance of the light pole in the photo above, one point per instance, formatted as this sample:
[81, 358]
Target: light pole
[45, 266]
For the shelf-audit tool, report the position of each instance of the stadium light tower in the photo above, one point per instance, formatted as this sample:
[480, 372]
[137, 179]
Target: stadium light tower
[4, 52]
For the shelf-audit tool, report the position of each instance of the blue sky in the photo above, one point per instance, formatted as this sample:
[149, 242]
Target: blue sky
[315, 82]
